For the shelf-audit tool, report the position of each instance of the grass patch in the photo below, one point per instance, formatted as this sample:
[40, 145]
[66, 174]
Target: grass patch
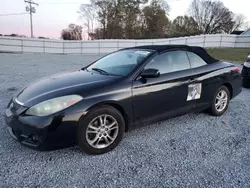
[230, 54]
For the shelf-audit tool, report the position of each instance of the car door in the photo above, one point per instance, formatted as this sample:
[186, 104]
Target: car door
[167, 94]
[204, 75]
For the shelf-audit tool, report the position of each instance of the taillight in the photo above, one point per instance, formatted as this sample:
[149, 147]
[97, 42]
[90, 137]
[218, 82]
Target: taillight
[236, 69]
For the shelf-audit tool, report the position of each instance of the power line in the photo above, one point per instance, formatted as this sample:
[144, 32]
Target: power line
[62, 3]
[30, 9]
[13, 14]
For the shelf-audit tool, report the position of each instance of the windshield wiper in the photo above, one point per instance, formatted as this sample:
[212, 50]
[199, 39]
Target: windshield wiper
[84, 68]
[100, 71]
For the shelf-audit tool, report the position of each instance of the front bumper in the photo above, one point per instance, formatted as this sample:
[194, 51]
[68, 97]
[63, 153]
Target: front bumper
[245, 73]
[42, 133]
[246, 77]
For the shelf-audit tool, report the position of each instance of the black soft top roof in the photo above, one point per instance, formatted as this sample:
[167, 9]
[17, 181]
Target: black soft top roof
[195, 49]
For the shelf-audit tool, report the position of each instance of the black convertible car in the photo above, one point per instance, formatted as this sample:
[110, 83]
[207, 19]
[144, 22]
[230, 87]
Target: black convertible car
[97, 104]
[245, 73]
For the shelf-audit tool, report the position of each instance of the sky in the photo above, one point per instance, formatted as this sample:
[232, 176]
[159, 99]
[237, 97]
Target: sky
[54, 15]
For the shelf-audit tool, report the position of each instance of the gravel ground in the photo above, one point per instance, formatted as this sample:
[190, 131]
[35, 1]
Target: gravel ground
[195, 150]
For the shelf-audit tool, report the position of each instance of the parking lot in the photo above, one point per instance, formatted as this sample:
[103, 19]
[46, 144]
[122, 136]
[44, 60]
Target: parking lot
[194, 150]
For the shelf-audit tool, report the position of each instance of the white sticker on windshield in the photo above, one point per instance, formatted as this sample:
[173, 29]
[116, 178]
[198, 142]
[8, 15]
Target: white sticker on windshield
[142, 52]
[194, 91]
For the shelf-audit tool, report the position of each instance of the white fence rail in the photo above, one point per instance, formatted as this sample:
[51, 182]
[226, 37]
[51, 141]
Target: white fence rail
[28, 45]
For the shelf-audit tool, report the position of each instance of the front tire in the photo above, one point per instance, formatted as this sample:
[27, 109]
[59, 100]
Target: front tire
[101, 130]
[220, 101]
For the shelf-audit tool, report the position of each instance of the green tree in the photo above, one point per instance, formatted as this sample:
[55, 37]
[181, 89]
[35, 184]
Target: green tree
[126, 19]
[119, 18]
[131, 15]
[184, 26]
[156, 23]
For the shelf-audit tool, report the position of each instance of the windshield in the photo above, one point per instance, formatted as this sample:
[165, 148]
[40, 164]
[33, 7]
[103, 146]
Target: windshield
[120, 63]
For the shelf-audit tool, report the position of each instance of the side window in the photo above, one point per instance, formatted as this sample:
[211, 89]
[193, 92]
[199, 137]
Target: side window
[170, 62]
[195, 60]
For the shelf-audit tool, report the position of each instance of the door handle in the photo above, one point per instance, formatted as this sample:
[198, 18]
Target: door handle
[191, 80]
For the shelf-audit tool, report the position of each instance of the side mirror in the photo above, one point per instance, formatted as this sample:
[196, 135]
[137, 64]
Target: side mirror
[150, 73]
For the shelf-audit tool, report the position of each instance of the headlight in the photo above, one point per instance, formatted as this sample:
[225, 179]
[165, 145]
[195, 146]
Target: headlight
[53, 105]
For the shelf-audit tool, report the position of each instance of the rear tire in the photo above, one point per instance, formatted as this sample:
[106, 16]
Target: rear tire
[220, 101]
[101, 130]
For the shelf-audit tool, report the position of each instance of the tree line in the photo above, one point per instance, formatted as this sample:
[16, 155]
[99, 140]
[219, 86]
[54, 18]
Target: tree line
[21, 36]
[140, 19]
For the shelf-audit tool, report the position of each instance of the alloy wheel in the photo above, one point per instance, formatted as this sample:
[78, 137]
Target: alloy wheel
[102, 131]
[221, 100]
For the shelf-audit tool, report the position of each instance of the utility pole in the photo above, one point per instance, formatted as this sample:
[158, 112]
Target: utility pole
[31, 10]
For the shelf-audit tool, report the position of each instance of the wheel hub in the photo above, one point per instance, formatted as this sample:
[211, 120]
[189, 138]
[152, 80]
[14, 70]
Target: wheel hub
[103, 131]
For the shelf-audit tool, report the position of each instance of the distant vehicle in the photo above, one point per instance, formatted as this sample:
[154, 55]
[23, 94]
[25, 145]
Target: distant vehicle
[97, 104]
[246, 73]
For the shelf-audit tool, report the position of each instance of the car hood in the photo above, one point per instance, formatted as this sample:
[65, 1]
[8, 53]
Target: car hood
[78, 82]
